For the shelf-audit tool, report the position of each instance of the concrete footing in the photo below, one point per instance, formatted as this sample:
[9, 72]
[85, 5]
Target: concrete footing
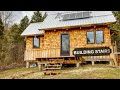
[40, 66]
[77, 65]
[93, 62]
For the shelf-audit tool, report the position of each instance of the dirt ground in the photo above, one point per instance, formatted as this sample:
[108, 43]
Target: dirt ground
[98, 71]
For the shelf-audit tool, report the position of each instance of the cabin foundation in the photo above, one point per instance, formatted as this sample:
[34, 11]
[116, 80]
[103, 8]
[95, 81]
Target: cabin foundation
[110, 63]
[27, 64]
[77, 65]
[40, 67]
[93, 62]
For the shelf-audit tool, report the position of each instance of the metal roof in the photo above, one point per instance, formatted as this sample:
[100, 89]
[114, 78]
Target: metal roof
[32, 29]
[55, 21]
[98, 17]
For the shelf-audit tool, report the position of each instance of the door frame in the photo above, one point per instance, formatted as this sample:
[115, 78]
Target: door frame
[66, 33]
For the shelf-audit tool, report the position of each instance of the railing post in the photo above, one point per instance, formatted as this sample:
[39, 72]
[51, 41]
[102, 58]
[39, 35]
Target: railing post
[112, 55]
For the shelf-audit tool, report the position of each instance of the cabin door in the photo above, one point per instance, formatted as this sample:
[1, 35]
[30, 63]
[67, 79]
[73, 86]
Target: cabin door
[65, 45]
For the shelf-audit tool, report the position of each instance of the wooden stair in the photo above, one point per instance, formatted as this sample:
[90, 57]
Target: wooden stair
[52, 68]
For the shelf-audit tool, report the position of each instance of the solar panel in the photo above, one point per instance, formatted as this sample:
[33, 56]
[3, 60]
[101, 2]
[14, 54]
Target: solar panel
[66, 16]
[72, 16]
[86, 14]
[58, 15]
[79, 15]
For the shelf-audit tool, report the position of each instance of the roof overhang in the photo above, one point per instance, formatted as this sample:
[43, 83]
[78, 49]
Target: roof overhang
[32, 35]
[69, 27]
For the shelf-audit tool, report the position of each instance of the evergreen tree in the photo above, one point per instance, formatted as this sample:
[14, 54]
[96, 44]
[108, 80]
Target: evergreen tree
[37, 17]
[116, 26]
[23, 24]
[45, 15]
[14, 34]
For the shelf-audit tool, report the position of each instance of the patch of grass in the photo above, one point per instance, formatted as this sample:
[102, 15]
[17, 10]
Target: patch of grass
[98, 71]
[9, 74]
[105, 74]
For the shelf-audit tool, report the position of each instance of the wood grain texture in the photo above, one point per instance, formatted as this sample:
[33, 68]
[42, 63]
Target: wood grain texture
[50, 42]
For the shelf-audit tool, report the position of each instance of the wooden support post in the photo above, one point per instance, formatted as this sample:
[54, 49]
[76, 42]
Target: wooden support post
[40, 66]
[45, 64]
[93, 63]
[110, 63]
[77, 65]
[27, 64]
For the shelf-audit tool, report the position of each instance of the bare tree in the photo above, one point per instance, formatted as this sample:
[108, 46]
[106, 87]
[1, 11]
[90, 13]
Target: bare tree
[7, 18]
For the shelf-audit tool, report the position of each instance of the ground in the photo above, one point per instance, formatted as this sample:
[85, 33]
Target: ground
[98, 71]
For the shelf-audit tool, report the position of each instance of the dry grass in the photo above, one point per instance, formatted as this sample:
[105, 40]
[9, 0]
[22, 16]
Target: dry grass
[84, 72]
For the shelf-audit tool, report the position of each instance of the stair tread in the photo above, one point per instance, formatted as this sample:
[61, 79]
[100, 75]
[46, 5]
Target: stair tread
[52, 68]
[53, 65]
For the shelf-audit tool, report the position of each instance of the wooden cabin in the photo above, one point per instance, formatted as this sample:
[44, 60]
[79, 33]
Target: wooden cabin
[70, 37]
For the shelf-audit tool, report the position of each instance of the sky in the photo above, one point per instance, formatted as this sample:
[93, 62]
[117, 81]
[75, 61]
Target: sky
[18, 15]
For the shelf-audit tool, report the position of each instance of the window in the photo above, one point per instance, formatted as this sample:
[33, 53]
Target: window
[90, 37]
[36, 42]
[95, 37]
[99, 36]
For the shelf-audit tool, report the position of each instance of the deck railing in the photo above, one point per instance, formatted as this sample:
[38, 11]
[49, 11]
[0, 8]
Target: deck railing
[41, 53]
[55, 52]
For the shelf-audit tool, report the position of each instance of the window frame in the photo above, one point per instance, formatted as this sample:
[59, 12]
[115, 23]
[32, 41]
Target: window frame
[94, 31]
[94, 37]
[102, 37]
[64, 33]
[33, 41]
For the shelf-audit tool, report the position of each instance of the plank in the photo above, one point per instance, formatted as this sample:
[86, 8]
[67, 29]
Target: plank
[53, 65]
[51, 73]
[52, 68]
[98, 59]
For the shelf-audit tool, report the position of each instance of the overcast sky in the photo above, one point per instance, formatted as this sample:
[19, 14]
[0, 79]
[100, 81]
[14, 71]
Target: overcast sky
[18, 15]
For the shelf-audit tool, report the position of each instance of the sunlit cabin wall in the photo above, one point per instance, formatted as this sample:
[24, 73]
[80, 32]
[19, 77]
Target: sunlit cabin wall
[50, 42]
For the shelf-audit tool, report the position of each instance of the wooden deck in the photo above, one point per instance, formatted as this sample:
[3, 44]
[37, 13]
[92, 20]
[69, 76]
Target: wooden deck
[60, 61]
[44, 56]
[53, 54]
[44, 53]
[38, 55]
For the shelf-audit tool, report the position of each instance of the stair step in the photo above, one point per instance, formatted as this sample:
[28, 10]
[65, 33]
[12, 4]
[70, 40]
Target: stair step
[53, 65]
[53, 68]
[55, 62]
[51, 72]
